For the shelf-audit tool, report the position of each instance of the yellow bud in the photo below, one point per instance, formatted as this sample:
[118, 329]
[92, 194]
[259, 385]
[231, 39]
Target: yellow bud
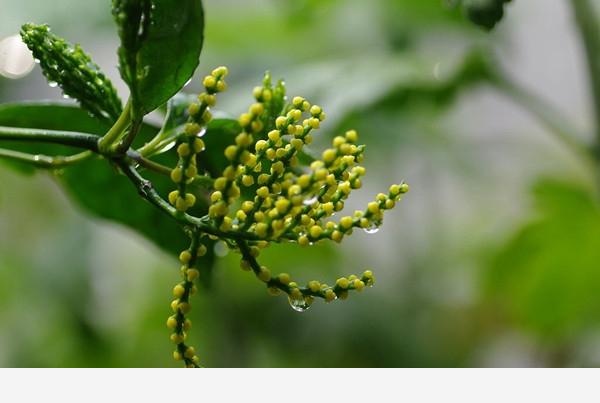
[176, 175]
[274, 291]
[358, 285]
[183, 149]
[247, 206]
[172, 322]
[187, 325]
[245, 265]
[231, 152]
[315, 110]
[261, 230]
[194, 108]
[221, 86]
[295, 293]
[191, 129]
[190, 199]
[180, 204]
[315, 231]
[284, 278]
[216, 196]
[173, 197]
[338, 141]
[178, 291]
[245, 119]
[337, 236]
[177, 355]
[220, 183]
[282, 205]
[264, 274]
[314, 285]
[191, 171]
[190, 352]
[198, 145]
[176, 338]
[185, 257]
[346, 222]
[295, 114]
[342, 282]
[220, 71]
[184, 307]
[280, 122]
[260, 146]
[352, 136]
[373, 207]
[303, 240]
[192, 274]
[209, 100]
[263, 192]
[259, 216]
[330, 295]
[201, 250]
[297, 101]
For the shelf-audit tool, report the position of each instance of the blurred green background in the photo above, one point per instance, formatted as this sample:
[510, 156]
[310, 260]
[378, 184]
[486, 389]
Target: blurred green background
[492, 259]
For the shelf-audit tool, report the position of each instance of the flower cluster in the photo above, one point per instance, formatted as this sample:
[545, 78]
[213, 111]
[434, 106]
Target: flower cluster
[271, 190]
[190, 143]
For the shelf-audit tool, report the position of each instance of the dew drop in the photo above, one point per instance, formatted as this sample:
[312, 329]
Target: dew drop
[166, 147]
[221, 249]
[371, 229]
[52, 84]
[299, 304]
[202, 132]
[311, 201]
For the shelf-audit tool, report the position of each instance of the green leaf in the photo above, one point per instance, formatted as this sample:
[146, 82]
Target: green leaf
[160, 47]
[94, 184]
[546, 278]
[73, 70]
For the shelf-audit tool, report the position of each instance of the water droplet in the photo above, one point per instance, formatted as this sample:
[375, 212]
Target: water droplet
[166, 147]
[221, 249]
[52, 84]
[65, 96]
[371, 229]
[311, 201]
[299, 304]
[202, 132]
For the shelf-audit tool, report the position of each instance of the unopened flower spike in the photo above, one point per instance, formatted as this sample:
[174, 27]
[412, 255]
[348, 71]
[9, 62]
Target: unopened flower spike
[190, 143]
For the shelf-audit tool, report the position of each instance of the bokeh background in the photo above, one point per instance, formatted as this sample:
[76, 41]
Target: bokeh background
[492, 259]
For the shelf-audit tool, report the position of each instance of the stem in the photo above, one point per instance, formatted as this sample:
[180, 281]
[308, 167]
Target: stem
[67, 138]
[125, 142]
[549, 117]
[44, 161]
[149, 164]
[587, 23]
[116, 130]
[147, 191]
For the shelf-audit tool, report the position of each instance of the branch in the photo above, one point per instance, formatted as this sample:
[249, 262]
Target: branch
[67, 138]
[548, 116]
[301, 297]
[44, 161]
[147, 191]
[587, 23]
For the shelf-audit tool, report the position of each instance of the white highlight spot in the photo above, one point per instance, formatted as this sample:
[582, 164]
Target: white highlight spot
[16, 60]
